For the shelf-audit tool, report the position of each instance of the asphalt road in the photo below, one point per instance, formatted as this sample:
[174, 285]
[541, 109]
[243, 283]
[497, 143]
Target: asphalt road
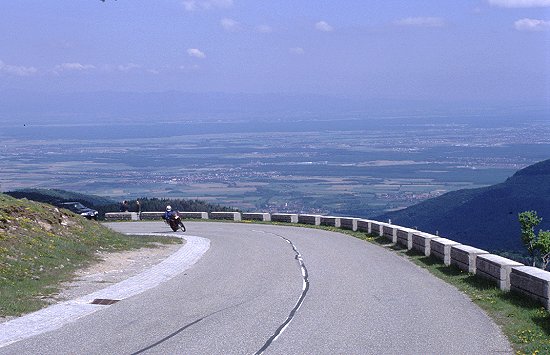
[281, 290]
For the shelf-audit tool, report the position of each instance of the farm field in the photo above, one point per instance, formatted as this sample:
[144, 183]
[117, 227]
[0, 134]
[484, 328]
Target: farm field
[354, 167]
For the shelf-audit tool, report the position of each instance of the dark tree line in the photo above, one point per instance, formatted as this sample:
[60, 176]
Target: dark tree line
[147, 204]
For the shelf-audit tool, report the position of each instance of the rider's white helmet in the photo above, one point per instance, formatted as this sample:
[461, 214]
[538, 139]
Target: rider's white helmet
[169, 208]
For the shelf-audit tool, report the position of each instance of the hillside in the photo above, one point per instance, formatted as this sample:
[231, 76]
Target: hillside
[41, 245]
[38, 245]
[56, 196]
[486, 217]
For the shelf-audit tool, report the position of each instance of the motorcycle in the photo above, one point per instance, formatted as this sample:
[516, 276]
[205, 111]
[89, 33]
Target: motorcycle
[176, 223]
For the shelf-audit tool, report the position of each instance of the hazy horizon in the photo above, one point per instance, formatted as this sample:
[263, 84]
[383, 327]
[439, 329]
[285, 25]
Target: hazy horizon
[23, 109]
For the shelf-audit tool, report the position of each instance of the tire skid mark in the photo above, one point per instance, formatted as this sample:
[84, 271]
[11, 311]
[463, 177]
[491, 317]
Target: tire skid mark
[305, 288]
[170, 336]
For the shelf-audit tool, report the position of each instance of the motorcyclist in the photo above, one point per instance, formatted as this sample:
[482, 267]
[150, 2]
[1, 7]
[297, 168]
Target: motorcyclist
[169, 214]
[172, 218]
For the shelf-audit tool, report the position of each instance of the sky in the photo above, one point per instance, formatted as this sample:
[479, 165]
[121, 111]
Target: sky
[434, 50]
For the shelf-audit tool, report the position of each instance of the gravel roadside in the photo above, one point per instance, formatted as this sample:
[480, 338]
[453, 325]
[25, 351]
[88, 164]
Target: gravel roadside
[112, 268]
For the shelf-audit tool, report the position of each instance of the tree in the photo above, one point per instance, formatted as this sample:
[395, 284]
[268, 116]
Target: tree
[544, 248]
[537, 245]
[528, 221]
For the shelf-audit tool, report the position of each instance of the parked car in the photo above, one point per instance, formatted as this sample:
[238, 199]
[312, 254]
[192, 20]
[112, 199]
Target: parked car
[80, 209]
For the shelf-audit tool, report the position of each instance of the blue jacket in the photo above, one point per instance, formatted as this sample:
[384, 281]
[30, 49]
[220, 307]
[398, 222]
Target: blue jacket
[169, 214]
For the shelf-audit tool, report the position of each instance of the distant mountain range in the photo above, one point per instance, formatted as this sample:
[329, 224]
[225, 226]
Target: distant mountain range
[485, 217]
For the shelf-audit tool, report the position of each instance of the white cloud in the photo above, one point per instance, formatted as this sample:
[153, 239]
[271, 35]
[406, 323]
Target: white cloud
[230, 25]
[110, 68]
[264, 29]
[297, 50]
[194, 5]
[421, 22]
[197, 53]
[323, 26]
[529, 24]
[128, 67]
[73, 67]
[17, 70]
[187, 68]
[520, 3]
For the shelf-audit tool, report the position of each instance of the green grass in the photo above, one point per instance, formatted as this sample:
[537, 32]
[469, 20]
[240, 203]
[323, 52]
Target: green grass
[41, 246]
[44, 264]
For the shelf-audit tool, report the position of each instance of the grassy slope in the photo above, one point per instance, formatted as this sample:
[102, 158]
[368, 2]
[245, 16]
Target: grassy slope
[41, 245]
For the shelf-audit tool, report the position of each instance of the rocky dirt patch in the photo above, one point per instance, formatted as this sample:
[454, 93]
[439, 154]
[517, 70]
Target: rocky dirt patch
[113, 268]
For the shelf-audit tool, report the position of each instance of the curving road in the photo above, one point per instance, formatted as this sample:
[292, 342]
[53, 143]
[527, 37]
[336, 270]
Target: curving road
[281, 290]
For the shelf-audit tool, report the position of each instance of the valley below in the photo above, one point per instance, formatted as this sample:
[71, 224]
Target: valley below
[357, 166]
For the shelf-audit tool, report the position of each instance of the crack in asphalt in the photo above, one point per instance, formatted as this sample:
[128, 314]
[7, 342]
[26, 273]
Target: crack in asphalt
[305, 288]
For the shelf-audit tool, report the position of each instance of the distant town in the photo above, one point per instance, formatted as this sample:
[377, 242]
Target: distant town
[329, 168]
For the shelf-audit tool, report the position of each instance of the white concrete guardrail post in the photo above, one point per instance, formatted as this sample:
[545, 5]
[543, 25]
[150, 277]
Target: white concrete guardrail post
[330, 221]
[495, 268]
[284, 217]
[364, 225]
[263, 217]
[421, 242]
[441, 249]
[464, 257]
[194, 215]
[404, 237]
[231, 216]
[533, 282]
[348, 223]
[312, 219]
[121, 216]
[390, 232]
[376, 228]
